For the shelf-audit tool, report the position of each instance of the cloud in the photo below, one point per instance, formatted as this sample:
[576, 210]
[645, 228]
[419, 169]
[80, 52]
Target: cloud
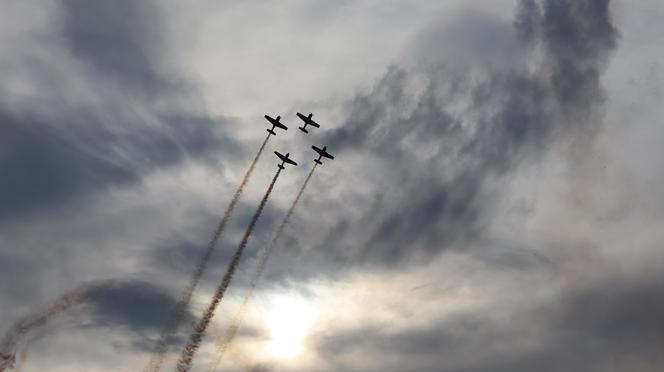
[49, 165]
[105, 112]
[608, 326]
[94, 106]
[136, 307]
[436, 141]
[467, 181]
[123, 42]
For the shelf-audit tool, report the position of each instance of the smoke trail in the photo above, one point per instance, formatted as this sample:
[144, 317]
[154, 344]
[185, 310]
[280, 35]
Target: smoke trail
[184, 363]
[180, 308]
[7, 361]
[33, 321]
[22, 356]
[224, 341]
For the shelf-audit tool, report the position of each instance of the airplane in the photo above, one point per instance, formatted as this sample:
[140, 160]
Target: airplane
[284, 159]
[275, 123]
[321, 154]
[307, 121]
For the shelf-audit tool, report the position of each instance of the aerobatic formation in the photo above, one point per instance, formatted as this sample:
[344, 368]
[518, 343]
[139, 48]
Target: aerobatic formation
[466, 186]
[180, 309]
[193, 344]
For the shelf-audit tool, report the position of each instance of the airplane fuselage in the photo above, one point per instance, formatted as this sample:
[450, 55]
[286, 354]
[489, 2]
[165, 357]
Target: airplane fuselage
[322, 153]
[275, 124]
[284, 159]
[307, 121]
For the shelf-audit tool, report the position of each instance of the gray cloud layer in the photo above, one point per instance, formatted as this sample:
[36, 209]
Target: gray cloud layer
[56, 148]
[122, 41]
[444, 160]
[92, 104]
[426, 161]
[435, 169]
[136, 307]
[611, 327]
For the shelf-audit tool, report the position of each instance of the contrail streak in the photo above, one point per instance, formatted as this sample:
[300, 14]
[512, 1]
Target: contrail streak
[33, 321]
[225, 340]
[21, 359]
[180, 308]
[184, 363]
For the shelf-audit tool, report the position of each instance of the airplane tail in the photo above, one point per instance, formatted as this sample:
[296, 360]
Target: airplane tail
[318, 161]
[281, 166]
[271, 132]
[304, 129]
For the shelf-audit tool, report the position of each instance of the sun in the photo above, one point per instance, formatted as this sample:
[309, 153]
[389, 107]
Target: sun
[288, 320]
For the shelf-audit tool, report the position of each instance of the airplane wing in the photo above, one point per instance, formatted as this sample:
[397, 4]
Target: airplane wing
[308, 120]
[275, 122]
[280, 156]
[322, 152]
[285, 158]
[304, 118]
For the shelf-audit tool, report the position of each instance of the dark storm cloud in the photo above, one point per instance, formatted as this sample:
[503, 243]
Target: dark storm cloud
[37, 157]
[48, 163]
[63, 147]
[180, 253]
[619, 319]
[578, 37]
[527, 20]
[121, 40]
[135, 305]
[101, 106]
[612, 326]
[447, 161]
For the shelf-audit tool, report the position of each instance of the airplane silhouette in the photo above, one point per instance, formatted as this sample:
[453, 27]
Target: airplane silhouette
[275, 123]
[307, 121]
[284, 159]
[322, 153]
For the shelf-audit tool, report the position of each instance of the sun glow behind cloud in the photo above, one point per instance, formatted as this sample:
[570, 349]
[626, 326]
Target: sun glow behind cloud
[289, 321]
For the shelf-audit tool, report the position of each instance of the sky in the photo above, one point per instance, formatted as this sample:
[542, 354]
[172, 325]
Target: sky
[494, 203]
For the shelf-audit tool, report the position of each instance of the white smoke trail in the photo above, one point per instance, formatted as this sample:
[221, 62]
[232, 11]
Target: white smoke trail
[225, 340]
[180, 309]
[188, 353]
